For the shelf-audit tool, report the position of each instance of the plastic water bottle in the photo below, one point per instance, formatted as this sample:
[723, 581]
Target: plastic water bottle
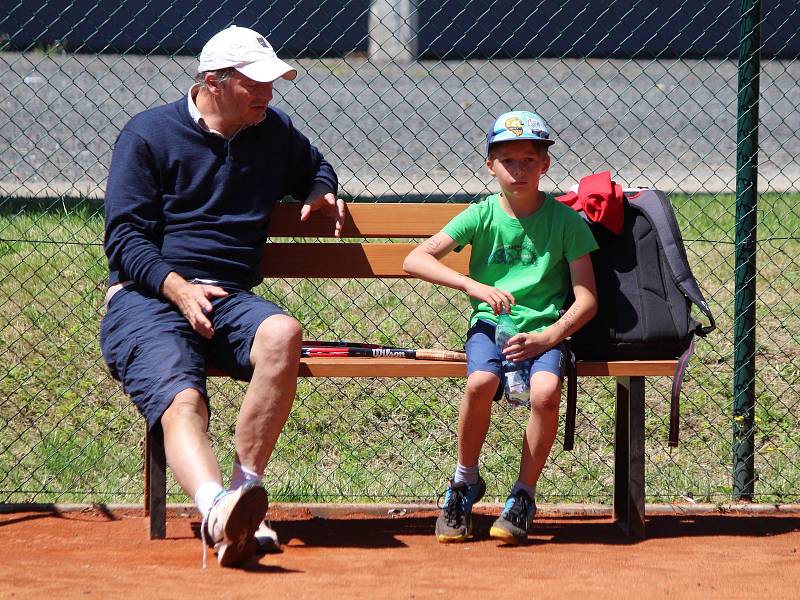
[515, 374]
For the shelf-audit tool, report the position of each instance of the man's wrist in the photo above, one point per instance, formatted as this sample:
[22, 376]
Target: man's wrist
[318, 190]
[169, 287]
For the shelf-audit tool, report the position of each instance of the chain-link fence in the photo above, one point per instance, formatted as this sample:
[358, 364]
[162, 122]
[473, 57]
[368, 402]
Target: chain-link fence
[398, 94]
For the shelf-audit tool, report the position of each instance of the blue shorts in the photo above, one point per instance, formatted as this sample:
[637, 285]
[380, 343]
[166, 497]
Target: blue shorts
[152, 349]
[483, 355]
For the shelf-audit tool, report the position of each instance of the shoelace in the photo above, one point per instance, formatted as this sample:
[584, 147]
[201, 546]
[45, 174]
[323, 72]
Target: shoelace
[203, 537]
[518, 513]
[454, 509]
[204, 523]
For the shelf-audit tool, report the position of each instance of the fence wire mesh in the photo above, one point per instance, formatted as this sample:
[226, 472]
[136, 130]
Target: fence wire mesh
[398, 94]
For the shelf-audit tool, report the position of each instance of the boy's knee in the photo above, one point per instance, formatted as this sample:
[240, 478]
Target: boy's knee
[545, 392]
[482, 386]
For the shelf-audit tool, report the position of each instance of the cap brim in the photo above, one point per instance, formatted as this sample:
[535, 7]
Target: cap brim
[268, 70]
[520, 138]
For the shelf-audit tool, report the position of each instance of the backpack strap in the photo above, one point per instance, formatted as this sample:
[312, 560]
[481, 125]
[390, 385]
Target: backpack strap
[674, 402]
[572, 396]
[656, 207]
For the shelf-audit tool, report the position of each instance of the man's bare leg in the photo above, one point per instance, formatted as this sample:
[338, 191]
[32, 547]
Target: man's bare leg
[275, 357]
[186, 445]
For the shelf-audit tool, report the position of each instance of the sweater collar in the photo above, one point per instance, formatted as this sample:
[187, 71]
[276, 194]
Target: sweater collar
[197, 117]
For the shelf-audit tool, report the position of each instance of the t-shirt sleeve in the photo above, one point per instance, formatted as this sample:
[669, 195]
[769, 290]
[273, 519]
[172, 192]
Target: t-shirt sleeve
[578, 238]
[463, 226]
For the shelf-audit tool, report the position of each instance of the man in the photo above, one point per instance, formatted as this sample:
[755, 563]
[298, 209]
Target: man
[190, 191]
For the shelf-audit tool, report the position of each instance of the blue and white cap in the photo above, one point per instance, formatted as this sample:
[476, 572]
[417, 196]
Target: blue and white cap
[518, 125]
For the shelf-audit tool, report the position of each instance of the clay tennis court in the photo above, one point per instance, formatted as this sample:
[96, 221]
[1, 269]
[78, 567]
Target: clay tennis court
[102, 553]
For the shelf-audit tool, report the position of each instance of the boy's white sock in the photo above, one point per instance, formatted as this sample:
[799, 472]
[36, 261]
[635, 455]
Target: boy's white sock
[529, 489]
[205, 495]
[241, 475]
[468, 475]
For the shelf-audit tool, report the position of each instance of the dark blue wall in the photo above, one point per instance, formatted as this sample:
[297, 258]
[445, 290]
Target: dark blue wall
[293, 27]
[447, 28]
[610, 28]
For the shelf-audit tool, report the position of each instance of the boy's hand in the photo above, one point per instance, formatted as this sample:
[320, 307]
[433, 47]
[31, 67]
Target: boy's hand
[498, 299]
[526, 345]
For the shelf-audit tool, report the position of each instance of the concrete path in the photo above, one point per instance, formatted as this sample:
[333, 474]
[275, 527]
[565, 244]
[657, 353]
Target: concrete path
[417, 130]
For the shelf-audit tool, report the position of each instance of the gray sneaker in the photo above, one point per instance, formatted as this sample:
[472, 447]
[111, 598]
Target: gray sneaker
[455, 520]
[513, 523]
[232, 522]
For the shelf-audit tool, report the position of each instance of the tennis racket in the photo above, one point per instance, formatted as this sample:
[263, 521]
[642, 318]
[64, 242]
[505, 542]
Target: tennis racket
[331, 349]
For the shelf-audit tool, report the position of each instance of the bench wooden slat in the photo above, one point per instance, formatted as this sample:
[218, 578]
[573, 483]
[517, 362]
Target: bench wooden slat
[349, 260]
[321, 366]
[366, 220]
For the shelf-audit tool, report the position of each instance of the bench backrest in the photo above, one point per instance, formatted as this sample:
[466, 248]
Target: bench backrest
[355, 259]
[379, 259]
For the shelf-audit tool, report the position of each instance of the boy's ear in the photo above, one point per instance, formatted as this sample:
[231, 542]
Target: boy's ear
[546, 163]
[489, 166]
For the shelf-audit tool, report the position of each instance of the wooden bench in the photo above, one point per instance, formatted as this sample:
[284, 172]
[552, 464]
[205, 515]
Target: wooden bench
[380, 260]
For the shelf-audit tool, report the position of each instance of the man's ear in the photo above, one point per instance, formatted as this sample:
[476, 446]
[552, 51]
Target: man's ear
[213, 84]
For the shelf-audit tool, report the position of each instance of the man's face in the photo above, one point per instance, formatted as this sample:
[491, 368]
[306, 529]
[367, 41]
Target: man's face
[518, 166]
[244, 101]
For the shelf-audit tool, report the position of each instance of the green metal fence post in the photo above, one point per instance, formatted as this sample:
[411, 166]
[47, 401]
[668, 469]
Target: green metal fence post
[745, 274]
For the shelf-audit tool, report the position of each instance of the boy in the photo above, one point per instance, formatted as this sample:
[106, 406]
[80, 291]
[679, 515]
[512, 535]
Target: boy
[526, 246]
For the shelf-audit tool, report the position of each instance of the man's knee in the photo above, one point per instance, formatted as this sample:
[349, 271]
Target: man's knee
[278, 339]
[188, 406]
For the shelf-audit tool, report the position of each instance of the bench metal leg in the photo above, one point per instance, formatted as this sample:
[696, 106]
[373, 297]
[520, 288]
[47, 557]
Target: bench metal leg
[629, 457]
[155, 482]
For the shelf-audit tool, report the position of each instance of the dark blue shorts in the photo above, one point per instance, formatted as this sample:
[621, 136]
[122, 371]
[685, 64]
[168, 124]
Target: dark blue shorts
[483, 355]
[152, 349]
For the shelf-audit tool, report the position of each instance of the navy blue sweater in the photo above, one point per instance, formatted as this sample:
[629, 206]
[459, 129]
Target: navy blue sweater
[181, 199]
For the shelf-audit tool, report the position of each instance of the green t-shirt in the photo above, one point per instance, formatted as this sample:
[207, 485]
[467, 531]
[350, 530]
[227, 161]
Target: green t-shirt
[528, 257]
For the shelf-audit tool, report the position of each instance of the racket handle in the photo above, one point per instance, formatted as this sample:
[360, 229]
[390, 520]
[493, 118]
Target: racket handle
[450, 355]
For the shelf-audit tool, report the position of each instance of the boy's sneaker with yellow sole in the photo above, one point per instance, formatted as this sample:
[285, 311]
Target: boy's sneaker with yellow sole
[455, 519]
[513, 523]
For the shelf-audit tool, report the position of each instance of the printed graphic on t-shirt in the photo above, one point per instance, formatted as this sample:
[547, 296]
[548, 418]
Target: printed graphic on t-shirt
[517, 254]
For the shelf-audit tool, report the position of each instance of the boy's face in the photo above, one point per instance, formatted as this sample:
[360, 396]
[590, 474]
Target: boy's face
[518, 166]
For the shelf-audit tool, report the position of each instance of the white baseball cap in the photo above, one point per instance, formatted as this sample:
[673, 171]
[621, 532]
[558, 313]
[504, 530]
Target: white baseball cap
[248, 52]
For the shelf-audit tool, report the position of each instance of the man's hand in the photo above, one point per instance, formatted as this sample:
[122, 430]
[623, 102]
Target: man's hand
[330, 205]
[193, 300]
[499, 300]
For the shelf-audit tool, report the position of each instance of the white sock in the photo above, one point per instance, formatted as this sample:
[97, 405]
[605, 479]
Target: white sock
[529, 489]
[468, 475]
[242, 475]
[205, 495]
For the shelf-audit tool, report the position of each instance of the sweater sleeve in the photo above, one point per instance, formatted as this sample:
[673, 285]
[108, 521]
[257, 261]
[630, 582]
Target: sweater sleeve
[309, 169]
[132, 211]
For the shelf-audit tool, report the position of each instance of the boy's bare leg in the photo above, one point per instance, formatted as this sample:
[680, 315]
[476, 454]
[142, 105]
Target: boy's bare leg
[474, 415]
[542, 427]
[454, 523]
[188, 452]
[275, 356]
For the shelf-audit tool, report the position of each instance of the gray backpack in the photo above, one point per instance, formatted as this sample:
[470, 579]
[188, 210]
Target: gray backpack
[646, 291]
